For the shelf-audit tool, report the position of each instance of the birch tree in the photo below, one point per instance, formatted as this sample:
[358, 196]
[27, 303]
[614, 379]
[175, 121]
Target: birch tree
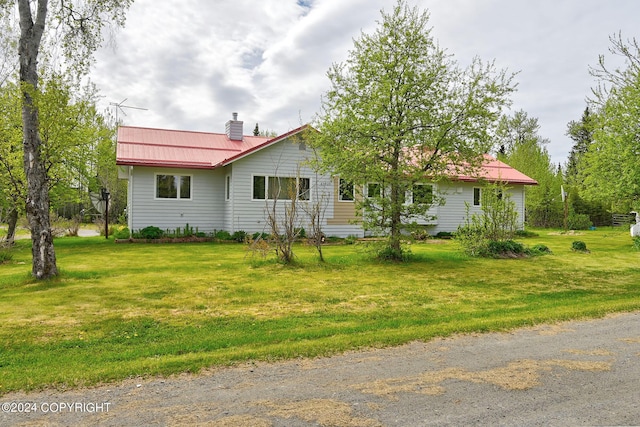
[80, 25]
[401, 111]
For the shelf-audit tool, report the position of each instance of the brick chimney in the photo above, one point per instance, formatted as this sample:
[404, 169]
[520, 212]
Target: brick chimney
[233, 128]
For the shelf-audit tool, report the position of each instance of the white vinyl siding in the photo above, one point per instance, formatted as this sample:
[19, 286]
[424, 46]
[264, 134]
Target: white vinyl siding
[203, 210]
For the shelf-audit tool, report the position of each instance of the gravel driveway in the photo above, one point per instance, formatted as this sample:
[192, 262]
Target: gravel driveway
[574, 373]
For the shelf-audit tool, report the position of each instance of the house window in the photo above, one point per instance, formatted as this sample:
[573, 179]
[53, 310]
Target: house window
[374, 189]
[227, 188]
[173, 186]
[281, 188]
[345, 192]
[259, 187]
[476, 196]
[423, 194]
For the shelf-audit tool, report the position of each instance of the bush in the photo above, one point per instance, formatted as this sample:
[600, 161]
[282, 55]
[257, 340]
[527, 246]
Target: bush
[502, 248]
[258, 235]
[636, 242]
[387, 253]
[122, 234]
[151, 232]
[539, 249]
[579, 222]
[579, 246]
[223, 235]
[525, 233]
[239, 236]
[445, 235]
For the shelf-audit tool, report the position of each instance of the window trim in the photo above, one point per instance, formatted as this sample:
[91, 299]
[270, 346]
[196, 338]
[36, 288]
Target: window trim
[477, 196]
[422, 184]
[340, 192]
[267, 195]
[371, 185]
[178, 187]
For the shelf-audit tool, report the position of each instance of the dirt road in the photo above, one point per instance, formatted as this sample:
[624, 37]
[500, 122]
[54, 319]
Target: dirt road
[575, 373]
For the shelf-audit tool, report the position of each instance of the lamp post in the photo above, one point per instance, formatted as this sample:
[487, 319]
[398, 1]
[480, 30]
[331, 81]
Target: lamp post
[105, 197]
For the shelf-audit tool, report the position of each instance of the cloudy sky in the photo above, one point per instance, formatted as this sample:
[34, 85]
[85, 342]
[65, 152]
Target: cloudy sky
[192, 63]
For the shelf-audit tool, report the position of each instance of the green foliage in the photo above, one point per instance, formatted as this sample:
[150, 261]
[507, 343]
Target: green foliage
[504, 248]
[401, 112]
[445, 235]
[5, 255]
[239, 236]
[579, 222]
[259, 235]
[351, 239]
[122, 233]
[636, 243]
[539, 249]
[611, 168]
[483, 232]
[524, 149]
[300, 232]
[526, 233]
[222, 235]
[579, 246]
[151, 232]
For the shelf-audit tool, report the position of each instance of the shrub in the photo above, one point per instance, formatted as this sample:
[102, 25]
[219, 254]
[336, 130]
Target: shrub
[387, 253]
[539, 249]
[420, 234]
[502, 248]
[579, 246]
[258, 235]
[488, 232]
[525, 233]
[579, 222]
[301, 232]
[223, 235]
[445, 235]
[122, 234]
[187, 232]
[239, 236]
[151, 232]
[636, 242]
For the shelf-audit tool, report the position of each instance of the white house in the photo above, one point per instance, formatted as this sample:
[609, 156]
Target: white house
[225, 182]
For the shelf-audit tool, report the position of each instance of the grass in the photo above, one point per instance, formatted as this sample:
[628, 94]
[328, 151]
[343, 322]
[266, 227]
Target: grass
[125, 310]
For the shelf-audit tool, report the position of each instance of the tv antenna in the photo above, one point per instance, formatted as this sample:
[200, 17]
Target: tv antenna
[119, 106]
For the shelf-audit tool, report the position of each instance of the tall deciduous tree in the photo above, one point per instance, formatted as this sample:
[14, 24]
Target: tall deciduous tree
[401, 111]
[81, 23]
[611, 165]
[523, 148]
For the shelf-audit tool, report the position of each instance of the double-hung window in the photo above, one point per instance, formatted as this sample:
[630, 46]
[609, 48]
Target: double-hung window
[345, 191]
[477, 196]
[173, 186]
[422, 194]
[281, 188]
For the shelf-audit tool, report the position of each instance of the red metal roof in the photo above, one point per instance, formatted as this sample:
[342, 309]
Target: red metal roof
[185, 149]
[201, 150]
[494, 170]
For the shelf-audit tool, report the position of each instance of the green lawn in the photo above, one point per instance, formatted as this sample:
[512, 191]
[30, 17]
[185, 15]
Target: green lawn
[122, 310]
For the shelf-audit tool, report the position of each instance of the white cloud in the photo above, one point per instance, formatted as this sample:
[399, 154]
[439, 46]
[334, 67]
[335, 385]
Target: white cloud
[194, 62]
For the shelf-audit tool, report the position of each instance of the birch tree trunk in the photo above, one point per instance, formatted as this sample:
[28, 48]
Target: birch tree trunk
[37, 203]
